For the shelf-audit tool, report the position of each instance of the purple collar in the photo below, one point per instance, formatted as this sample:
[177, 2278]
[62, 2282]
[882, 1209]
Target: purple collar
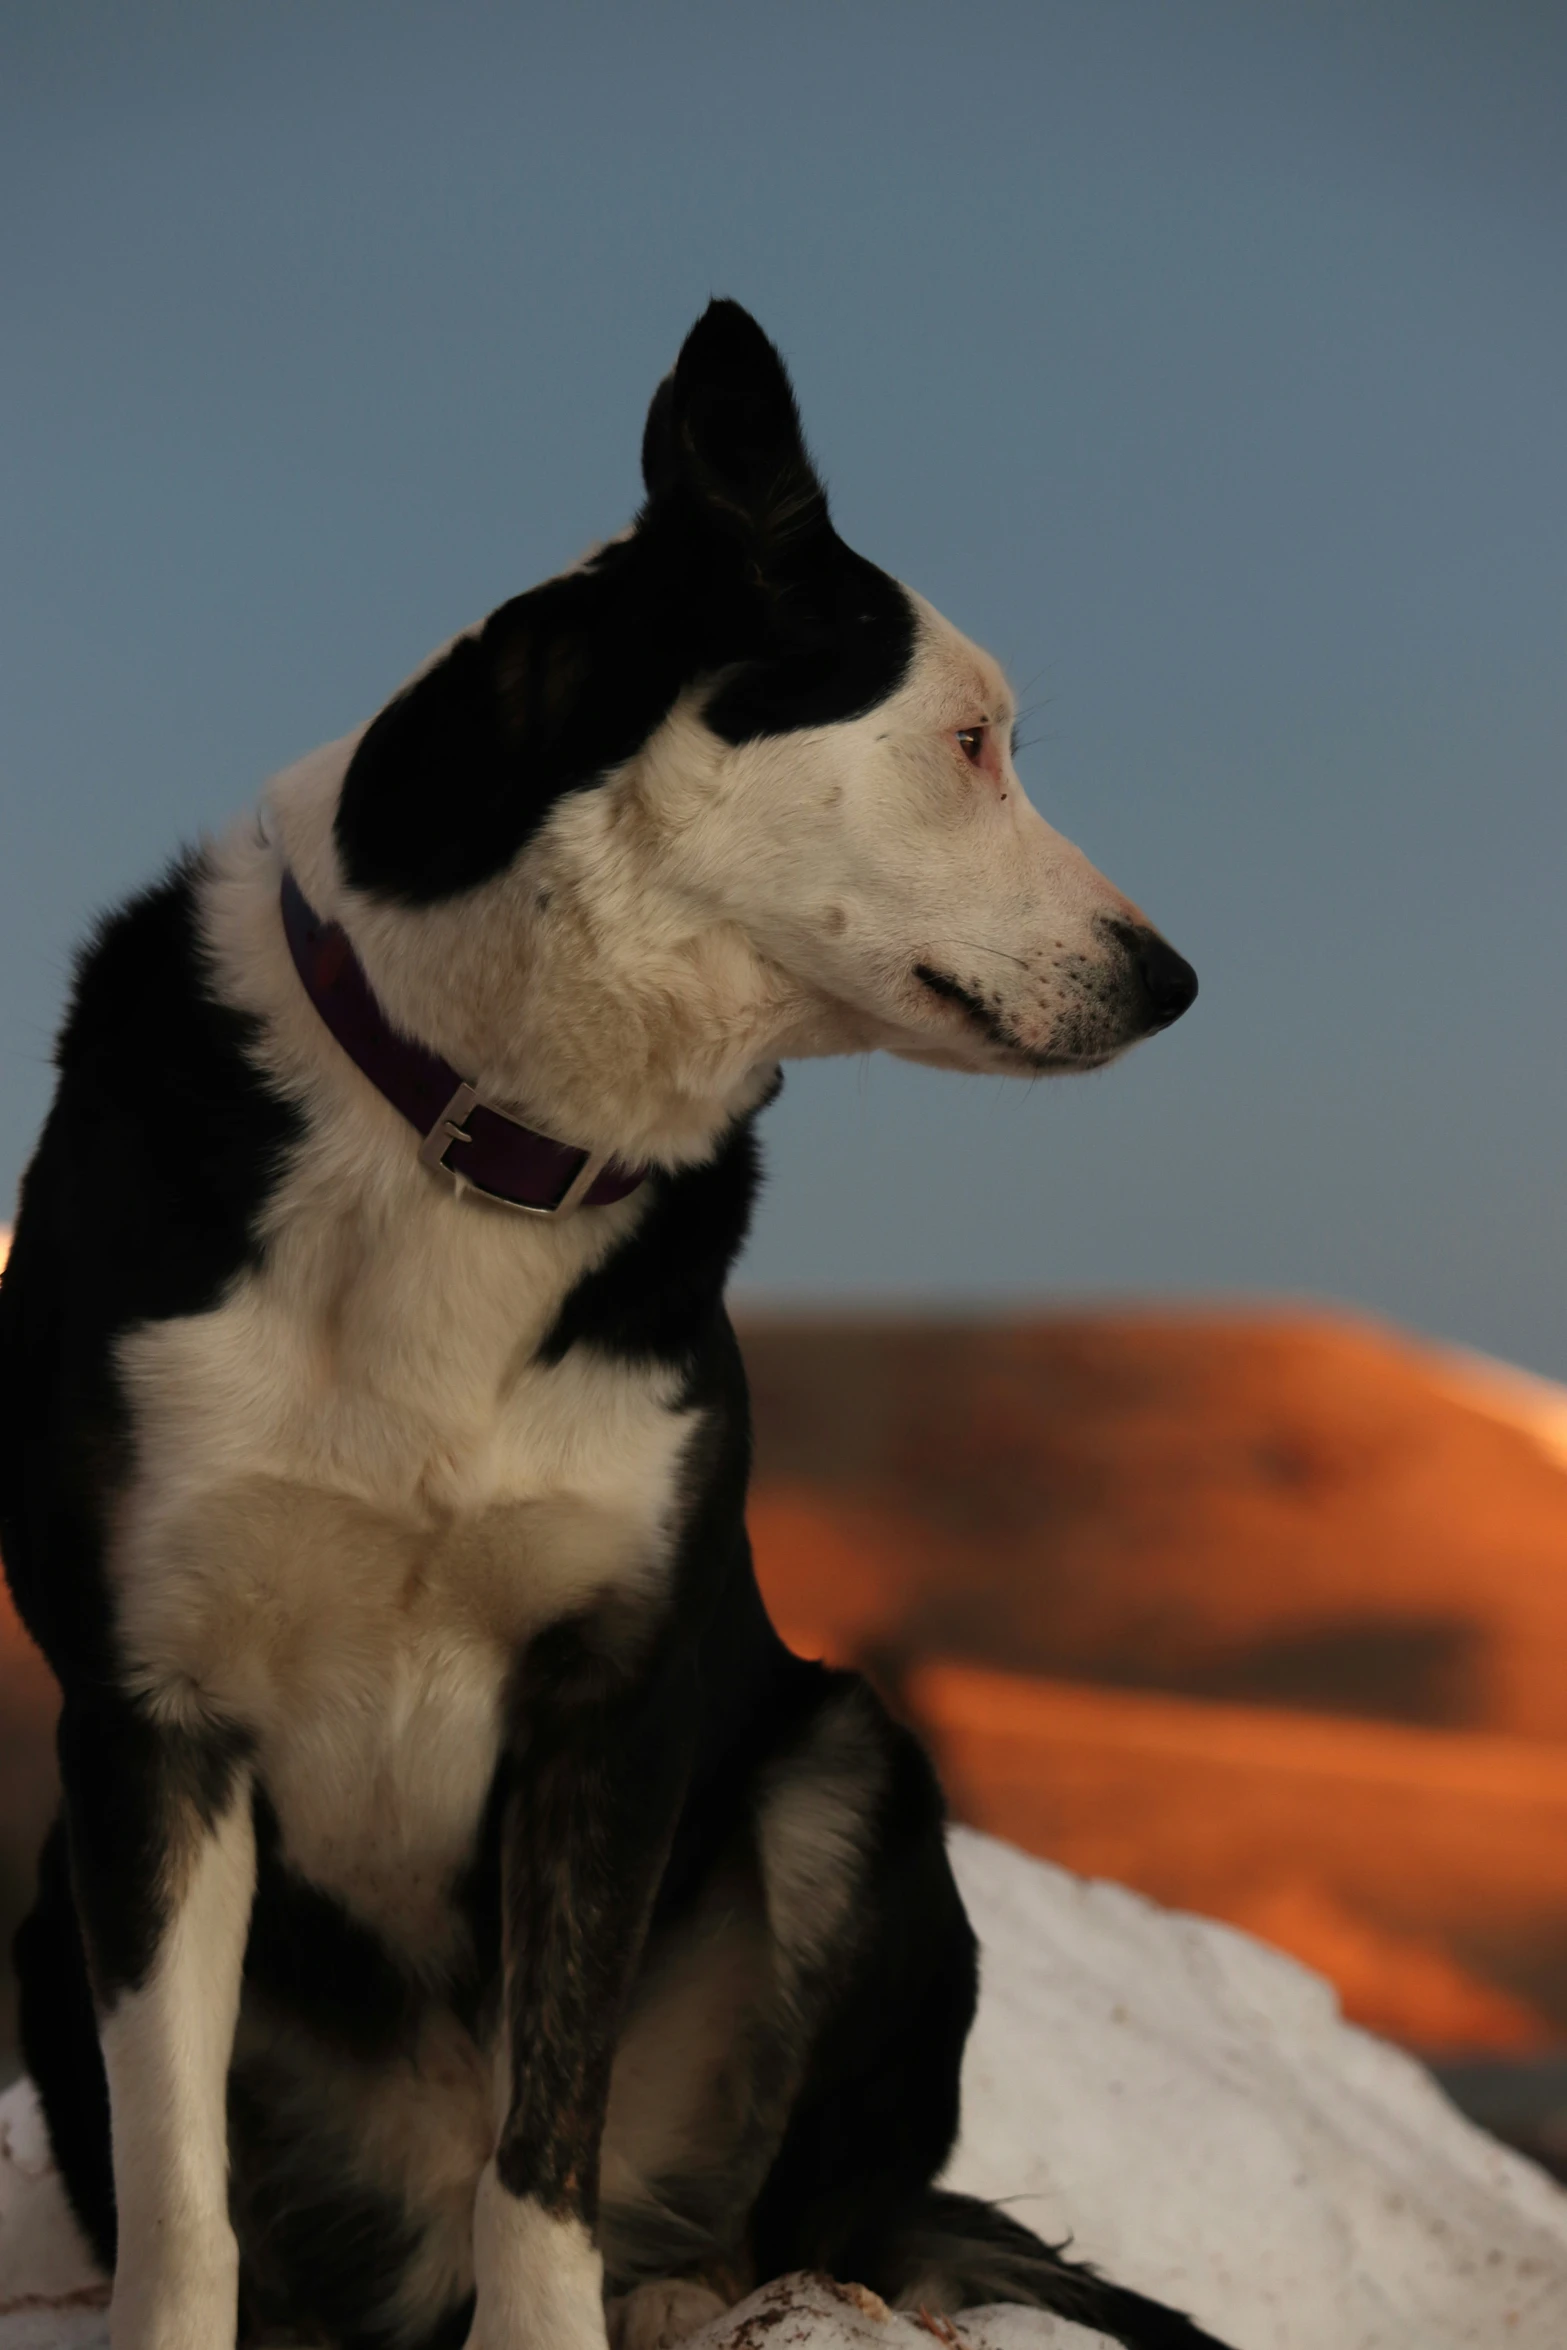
[497, 1154]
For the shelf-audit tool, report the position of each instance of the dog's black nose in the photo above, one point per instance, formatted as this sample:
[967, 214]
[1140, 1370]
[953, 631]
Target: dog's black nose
[1169, 981]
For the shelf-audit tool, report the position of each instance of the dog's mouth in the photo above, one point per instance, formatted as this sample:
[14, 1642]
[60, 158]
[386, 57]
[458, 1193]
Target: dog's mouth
[988, 1021]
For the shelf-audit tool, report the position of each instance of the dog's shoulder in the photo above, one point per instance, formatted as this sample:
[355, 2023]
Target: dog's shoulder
[142, 1202]
[165, 1136]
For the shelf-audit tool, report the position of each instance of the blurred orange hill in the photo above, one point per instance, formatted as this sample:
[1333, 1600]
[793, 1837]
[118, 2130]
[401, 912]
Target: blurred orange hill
[1264, 1613]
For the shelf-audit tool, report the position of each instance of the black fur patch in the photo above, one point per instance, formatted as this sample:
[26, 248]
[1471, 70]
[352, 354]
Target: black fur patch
[658, 1296]
[599, 1782]
[561, 684]
[59, 2036]
[754, 1691]
[139, 1798]
[323, 2250]
[141, 1203]
[310, 1958]
[733, 572]
[954, 2252]
[877, 2113]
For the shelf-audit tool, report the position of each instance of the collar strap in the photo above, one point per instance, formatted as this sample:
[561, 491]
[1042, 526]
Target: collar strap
[493, 1151]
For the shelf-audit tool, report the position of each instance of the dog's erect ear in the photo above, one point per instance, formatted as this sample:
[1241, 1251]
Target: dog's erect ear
[811, 633]
[724, 432]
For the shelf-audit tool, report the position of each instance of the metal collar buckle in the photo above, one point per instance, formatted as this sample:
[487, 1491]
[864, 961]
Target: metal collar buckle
[451, 1127]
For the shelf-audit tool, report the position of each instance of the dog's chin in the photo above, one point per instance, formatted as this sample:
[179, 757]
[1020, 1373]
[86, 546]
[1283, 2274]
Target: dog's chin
[969, 1041]
[1005, 1061]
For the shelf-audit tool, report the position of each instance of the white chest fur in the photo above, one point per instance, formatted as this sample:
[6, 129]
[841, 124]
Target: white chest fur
[358, 1494]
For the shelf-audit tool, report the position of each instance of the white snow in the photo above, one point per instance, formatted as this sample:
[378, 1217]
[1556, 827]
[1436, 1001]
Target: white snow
[1187, 2105]
[1190, 2107]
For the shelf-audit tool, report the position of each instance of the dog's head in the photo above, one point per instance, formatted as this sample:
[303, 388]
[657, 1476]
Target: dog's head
[726, 726]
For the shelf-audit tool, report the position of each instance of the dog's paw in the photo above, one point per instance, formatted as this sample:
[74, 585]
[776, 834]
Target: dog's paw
[658, 2315]
[538, 2277]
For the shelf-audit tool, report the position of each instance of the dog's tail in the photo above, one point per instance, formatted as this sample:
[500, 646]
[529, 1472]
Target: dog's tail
[953, 2252]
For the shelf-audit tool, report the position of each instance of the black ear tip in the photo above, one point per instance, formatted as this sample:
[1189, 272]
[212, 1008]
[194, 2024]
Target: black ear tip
[725, 423]
[725, 317]
[727, 343]
[725, 361]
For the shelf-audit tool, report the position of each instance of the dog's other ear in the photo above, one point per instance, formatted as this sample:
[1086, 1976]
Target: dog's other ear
[462, 767]
[724, 433]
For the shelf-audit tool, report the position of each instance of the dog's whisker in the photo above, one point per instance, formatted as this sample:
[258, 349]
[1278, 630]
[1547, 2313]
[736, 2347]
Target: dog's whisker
[979, 946]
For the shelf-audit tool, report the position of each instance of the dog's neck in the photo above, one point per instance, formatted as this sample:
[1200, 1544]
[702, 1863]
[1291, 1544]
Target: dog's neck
[576, 990]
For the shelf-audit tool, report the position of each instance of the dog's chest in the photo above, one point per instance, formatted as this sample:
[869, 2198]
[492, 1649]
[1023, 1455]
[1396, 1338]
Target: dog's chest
[358, 1494]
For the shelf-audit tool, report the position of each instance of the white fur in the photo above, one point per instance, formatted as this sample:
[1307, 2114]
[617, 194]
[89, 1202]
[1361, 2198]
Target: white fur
[166, 2051]
[539, 2279]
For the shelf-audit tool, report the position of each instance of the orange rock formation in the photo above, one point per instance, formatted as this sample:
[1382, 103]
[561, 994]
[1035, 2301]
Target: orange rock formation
[1292, 1596]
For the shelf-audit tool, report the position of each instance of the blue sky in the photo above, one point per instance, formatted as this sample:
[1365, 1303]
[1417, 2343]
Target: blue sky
[1209, 362]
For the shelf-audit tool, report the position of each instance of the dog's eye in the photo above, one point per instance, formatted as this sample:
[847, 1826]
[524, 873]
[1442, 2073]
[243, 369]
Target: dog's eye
[971, 742]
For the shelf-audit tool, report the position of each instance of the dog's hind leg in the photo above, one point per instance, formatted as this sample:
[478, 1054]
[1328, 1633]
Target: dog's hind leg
[163, 1871]
[860, 1885]
[738, 1991]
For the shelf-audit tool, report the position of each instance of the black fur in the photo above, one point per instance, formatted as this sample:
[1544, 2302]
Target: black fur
[301, 2212]
[59, 2037]
[599, 1785]
[660, 1294]
[643, 1751]
[877, 2110]
[983, 1015]
[974, 2253]
[311, 1958]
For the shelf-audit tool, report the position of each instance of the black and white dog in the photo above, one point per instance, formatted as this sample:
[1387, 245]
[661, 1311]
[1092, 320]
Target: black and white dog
[466, 1917]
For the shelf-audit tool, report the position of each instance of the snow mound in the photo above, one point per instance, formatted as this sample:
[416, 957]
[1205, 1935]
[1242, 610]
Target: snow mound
[1184, 2104]
[1189, 2106]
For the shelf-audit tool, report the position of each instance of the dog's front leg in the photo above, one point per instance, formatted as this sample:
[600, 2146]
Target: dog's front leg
[598, 1785]
[163, 1868]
